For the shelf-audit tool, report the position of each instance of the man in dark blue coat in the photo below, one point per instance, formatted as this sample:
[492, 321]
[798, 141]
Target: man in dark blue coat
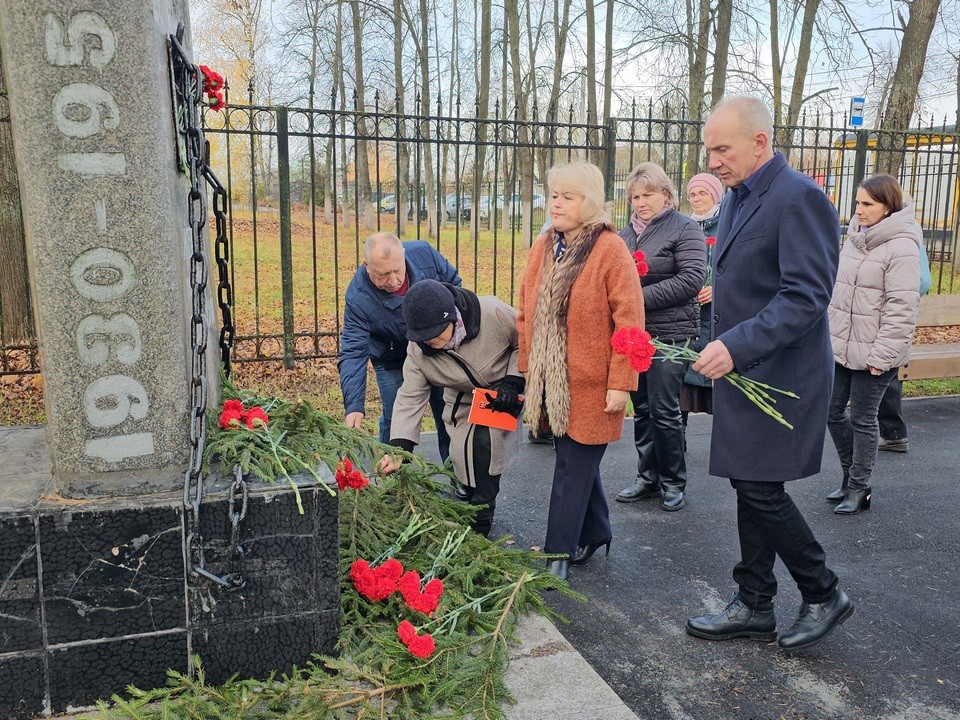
[774, 267]
[374, 329]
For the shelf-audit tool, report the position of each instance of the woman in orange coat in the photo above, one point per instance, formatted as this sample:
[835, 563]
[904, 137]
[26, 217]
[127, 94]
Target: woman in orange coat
[579, 286]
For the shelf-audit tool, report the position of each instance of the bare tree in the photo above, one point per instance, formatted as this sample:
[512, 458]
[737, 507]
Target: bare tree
[484, 40]
[906, 79]
[364, 207]
[403, 152]
[721, 53]
[590, 77]
[16, 320]
[799, 61]
[423, 56]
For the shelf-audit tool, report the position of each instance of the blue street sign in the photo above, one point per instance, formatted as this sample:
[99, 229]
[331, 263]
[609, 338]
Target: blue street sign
[856, 111]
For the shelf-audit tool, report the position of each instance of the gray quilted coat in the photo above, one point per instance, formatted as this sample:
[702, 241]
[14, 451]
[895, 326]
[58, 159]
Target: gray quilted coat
[875, 301]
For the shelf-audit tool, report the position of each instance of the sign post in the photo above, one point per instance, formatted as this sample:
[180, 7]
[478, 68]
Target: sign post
[856, 111]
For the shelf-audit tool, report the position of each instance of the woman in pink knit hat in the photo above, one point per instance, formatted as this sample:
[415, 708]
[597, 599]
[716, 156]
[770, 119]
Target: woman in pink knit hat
[704, 192]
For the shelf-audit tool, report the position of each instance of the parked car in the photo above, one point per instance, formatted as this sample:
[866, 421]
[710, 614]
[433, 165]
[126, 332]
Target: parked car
[513, 206]
[454, 209]
[387, 204]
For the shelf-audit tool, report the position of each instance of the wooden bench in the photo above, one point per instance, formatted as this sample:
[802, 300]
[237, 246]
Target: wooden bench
[939, 360]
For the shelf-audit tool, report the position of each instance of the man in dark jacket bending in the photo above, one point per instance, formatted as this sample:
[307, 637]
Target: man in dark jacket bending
[374, 329]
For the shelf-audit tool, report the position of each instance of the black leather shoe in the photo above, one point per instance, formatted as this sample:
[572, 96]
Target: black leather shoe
[736, 621]
[585, 552]
[901, 445]
[672, 500]
[560, 568]
[854, 501]
[815, 622]
[640, 490]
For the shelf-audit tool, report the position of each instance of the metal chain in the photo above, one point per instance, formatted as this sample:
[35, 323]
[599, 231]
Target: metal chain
[187, 88]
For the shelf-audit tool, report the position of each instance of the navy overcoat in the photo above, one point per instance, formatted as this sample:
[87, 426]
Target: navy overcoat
[773, 275]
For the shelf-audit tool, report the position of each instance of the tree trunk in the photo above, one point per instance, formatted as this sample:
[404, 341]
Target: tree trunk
[608, 62]
[560, 32]
[721, 51]
[16, 320]
[403, 151]
[483, 112]
[425, 108]
[775, 61]
[525, 162]
[800, 71]
[590, 81]
[364, 191]
[697, 52]
[343, 202]
[906, 79]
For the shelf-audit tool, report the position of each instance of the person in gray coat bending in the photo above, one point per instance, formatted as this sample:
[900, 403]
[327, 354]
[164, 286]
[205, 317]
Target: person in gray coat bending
[459, 342]
[676, 257]
[774, 266]
[873, 314]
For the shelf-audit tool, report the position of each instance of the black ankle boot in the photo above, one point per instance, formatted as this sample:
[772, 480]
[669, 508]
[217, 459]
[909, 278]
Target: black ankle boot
[840, 493]
[586, 552]
[854, 501]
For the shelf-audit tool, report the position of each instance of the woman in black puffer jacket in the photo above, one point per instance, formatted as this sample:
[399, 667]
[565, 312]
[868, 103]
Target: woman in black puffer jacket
[675, 253]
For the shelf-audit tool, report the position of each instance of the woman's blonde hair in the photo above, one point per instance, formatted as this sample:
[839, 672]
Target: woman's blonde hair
[653, 178]
[585, 179]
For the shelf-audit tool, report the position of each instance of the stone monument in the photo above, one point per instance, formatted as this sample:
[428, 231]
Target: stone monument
[101, 590]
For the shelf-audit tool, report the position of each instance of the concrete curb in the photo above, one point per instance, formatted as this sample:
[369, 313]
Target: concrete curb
[549, 679]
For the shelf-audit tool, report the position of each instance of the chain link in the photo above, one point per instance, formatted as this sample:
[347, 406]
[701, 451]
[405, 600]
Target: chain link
[195, 153]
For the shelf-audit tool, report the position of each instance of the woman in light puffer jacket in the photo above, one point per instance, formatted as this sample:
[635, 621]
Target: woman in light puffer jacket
[873, 314]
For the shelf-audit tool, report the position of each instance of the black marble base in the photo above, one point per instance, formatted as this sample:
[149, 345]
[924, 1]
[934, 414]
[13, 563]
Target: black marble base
[94, 596]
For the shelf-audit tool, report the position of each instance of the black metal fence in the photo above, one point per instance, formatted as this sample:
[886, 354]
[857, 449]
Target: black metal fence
[307, 186]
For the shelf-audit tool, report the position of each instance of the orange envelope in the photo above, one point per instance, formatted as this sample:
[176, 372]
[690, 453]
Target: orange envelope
[481, 414]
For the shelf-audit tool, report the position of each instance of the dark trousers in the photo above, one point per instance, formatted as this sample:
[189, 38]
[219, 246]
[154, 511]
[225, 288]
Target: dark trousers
[856, 432]
[578, 510]
[488, 486]
[658, 427]
[890, 415]
[769, 525]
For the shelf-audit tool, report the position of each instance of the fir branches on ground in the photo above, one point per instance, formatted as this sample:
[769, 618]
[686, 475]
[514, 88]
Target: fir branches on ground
[385, 667]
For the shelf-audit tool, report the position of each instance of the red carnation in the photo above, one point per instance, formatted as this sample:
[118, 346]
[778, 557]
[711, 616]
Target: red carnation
[231, 415]
[640, 258]
[711, 241]
[255, 417]
[364, 580]
[217, 101]
[406, 631]
[635, 344]
[391, 570]
[421, 646]
[212, 80]
[425, 600]
[348, 477]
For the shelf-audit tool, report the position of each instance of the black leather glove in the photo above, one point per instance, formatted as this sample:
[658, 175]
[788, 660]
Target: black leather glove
[508, 395]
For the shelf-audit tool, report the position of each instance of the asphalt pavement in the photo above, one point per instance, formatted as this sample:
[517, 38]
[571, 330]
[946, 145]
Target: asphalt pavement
[897, 658]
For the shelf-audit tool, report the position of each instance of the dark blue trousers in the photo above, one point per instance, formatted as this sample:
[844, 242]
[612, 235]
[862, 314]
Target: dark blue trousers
[578, 510]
